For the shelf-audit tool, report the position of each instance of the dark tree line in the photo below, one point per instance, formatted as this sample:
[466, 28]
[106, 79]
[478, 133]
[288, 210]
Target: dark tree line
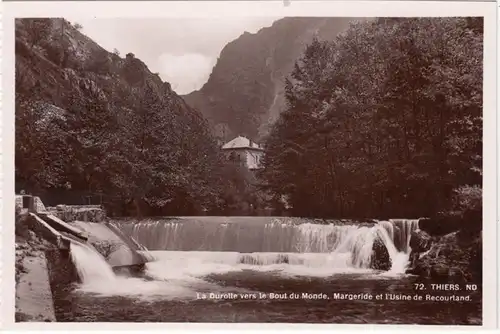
[384, 121]
[107, 127]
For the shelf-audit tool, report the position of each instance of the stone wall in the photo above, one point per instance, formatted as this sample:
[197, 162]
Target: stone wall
[62, 276]
[85, 213]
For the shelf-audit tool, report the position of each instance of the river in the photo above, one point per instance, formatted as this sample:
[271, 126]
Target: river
[263, 269]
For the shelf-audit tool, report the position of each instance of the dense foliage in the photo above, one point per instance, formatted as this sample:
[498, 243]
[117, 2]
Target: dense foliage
[384, 121]
[89, 123]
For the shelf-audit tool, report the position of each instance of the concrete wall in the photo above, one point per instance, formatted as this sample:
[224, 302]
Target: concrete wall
[38, 204]
[33, 293]
[62, 274]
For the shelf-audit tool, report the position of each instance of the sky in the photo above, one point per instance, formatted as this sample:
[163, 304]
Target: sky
[182, 51]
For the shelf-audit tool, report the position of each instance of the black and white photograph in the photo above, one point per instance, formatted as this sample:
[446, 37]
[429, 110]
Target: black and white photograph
[249, 169]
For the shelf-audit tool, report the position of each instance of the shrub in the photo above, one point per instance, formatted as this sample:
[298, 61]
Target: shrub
[101, 63]
[469, 198]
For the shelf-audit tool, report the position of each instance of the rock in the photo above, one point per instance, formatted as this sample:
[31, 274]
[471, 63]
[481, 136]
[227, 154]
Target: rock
[380, 259]
[457, 275]
[473, 221]
[420, 241]
[412, 260]
[22, 246]
[283, 258]
[60, 207]
[453, 257]
[439, 271]
[441, 224]
[422, 269]
[32, 236]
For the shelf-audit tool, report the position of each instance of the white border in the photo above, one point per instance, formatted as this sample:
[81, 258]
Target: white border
[235, 9]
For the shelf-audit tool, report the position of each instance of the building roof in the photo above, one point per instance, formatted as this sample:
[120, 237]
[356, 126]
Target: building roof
[241, 142]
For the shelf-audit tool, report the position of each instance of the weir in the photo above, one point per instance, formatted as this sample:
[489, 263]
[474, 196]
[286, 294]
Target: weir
[40, 226]
[61, 226]
[128, 252]
[268, 240]
[260, 234]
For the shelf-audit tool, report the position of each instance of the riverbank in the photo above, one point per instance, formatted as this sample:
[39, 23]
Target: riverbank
[448, 249]
[33, 293]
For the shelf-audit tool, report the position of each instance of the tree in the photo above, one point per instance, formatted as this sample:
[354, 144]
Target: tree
[81, 131]
[39, 151]
[90, 133]
[383, 121]
[38, 31]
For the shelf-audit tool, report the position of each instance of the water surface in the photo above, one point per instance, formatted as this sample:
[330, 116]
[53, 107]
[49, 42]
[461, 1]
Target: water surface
[173, 283]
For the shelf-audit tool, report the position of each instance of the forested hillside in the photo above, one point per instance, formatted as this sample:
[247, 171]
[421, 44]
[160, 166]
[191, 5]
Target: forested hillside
[245, 91]
[384, 121]
[92, 123]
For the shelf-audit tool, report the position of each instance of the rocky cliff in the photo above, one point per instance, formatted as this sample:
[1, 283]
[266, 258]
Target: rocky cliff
[245, 92]
[55, 60]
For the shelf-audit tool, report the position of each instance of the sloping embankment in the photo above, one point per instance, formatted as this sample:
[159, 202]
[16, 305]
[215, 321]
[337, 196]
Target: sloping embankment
[33, 292]
[34, 296]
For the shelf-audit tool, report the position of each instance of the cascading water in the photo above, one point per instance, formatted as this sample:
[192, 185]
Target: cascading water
[187, 250]
[130, 252]
[267, 241]
[403, 229]
[92, 268]
[207, 267]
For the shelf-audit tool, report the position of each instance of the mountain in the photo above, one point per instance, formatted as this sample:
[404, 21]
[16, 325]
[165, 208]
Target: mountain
[88, 120]
[245, 91]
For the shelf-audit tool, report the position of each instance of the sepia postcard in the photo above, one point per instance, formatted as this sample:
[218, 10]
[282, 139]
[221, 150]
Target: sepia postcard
[248, 163]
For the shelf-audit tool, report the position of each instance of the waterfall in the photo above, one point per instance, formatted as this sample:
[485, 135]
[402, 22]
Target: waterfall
[130, 252]
[267, 240]
[258, 234]
[403, 230]
[92, 268]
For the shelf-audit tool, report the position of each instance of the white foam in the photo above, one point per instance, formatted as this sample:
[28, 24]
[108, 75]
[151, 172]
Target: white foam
[321, 251]
[138, 288]
[195, 265]
[92, 268]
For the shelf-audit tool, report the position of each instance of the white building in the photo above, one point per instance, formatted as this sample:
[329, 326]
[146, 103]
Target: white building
[244, 150]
